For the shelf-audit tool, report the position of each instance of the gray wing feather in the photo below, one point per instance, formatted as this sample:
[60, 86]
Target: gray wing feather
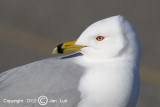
[55, 78]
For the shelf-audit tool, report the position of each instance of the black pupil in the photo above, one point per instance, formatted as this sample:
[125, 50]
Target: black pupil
[100, 38]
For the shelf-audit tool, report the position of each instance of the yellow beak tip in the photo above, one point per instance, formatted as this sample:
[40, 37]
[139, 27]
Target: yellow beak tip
[54, 51]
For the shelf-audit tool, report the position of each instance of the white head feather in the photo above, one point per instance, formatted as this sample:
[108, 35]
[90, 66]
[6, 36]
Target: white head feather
[120, 39]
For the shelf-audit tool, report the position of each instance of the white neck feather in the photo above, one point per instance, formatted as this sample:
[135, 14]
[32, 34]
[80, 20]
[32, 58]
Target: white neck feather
[108, 83]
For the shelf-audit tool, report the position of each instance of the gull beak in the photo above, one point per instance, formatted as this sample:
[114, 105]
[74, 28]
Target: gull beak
[67, 47]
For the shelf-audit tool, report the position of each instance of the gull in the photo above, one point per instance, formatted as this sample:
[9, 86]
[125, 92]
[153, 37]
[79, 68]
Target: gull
[103, 71]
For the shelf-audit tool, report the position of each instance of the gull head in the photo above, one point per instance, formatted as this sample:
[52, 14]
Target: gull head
[110, 38]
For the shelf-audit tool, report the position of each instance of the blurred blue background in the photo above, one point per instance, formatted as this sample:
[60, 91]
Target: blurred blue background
[30, 29]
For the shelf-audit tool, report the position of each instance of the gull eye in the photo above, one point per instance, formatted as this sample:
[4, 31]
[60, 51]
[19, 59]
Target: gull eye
[100, 38]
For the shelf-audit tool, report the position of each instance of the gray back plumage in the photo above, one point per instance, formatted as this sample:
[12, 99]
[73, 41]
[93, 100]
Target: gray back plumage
[55, 78]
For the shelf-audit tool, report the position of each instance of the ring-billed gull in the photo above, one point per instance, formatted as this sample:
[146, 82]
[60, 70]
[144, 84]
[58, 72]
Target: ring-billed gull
[103, 73]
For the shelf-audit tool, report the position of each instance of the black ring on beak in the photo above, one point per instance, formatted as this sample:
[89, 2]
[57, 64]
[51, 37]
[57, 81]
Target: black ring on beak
[59, 48]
